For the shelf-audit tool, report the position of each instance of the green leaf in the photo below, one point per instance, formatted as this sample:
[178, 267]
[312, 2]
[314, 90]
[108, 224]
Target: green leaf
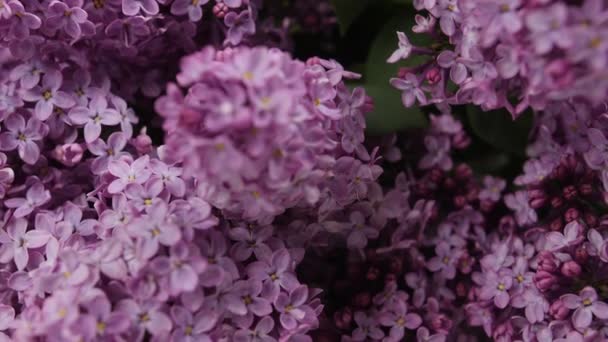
[347, 11]
[390, 114]
[498, 129]
[490, 164]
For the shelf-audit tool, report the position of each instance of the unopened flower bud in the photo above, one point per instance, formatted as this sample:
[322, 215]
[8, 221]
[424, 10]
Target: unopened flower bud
[433, 76]
[571, 269]
[545, 281]
[558, 310]
[68, 154]
[571, 215]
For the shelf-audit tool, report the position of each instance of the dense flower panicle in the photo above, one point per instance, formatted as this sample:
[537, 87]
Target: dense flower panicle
[266, 215]
[264, 133]
[144, 257]
[444, 260]
[506, 53]
[104, 235]
[551, 270]
[131, 41]
[393, 284]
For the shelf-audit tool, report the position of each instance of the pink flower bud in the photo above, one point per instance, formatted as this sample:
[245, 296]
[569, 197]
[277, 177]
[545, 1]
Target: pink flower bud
[433, 76]
[561, 72]
[507, 224]
[590, 219]
[571, 269]
[142, 142]
[558, 310]
[404, 71]
[571, 215]
[459, 201]
[363, 299]
[581, 254]
[220, 10]
[372, 274]
[440, 323]
[570, 192]
[545, 281]
[547, 262]
[68, 154]
[557, 202]
[369, 105]
[463, 172]
[585, 189]
[343, 318]
[461, 140]
[537, 197]
[313, 61]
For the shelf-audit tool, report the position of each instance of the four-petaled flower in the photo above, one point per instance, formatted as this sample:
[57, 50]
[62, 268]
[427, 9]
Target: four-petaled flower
[23, 137]
[586, 305]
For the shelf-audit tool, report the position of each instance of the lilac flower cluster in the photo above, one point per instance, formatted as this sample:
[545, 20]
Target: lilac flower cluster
[104, 237]
[265, 133]
[131, 41]
[506, 53]
[443, 252]
[409, 245]
[265, 213]
[545, 282]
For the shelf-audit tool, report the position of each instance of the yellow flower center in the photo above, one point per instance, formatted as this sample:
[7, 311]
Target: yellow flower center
[67, 274]
[595, 42]
[67, 13]
[274, 277]
[131, 178]
[144, 317]
[110, 152]
[505, 8]
[248, 75]
[188, 329]
[220, 147]
[195, 2]
[265, 102]
[256, 194]
[148, 202]
[247, 300]
[520, 278]
[99, 3]
[400, 322]
[288, 308]
[47, 95]
[317, 102]
[445, 260]
[22, 137]
[62, 313]
[501, 287]
[101, 327]
[587, 302]
[155, 232]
